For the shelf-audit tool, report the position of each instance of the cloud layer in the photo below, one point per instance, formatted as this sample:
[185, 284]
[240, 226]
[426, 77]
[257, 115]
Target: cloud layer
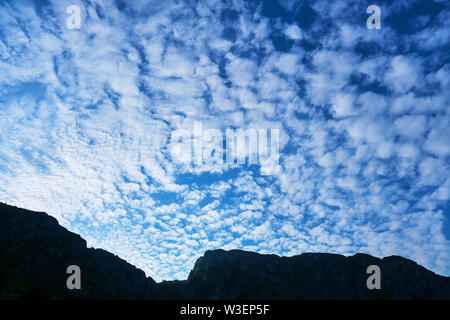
[86, 118]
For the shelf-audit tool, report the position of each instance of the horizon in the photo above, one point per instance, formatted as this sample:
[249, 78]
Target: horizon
[232, 250]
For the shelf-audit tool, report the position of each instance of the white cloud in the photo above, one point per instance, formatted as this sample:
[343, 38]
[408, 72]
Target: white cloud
[430, 170]
[404, 74]
[410, 126]
[343, 105]
[293, 32]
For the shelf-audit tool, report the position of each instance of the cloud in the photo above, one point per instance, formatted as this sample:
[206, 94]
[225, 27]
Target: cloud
[293, 32]
[430, 169]
[87, 115]
[403, 74]
[410, 126]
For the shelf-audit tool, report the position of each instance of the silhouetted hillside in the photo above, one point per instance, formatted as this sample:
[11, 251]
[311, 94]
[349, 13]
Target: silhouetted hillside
[247, 275]
[35, 252]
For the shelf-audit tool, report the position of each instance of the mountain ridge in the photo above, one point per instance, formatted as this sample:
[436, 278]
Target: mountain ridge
[35, 252]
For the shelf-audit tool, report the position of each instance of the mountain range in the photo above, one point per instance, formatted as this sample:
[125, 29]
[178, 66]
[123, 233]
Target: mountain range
[35, 252]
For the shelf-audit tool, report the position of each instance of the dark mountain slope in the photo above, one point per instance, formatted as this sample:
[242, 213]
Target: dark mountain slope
[35, 252]
[246, 275]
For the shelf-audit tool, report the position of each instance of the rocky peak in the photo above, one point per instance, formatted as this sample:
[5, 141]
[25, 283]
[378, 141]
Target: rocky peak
[35, 252]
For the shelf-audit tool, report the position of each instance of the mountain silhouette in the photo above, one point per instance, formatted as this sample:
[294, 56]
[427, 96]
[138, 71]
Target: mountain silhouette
[35, 252]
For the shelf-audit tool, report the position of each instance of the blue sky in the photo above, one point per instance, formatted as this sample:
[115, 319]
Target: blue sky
[86, 117]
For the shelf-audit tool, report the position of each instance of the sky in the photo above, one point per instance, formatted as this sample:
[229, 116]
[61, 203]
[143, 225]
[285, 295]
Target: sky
[87, 117]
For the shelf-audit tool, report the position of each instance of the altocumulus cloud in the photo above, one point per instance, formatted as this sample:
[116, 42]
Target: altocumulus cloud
[86, 117]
